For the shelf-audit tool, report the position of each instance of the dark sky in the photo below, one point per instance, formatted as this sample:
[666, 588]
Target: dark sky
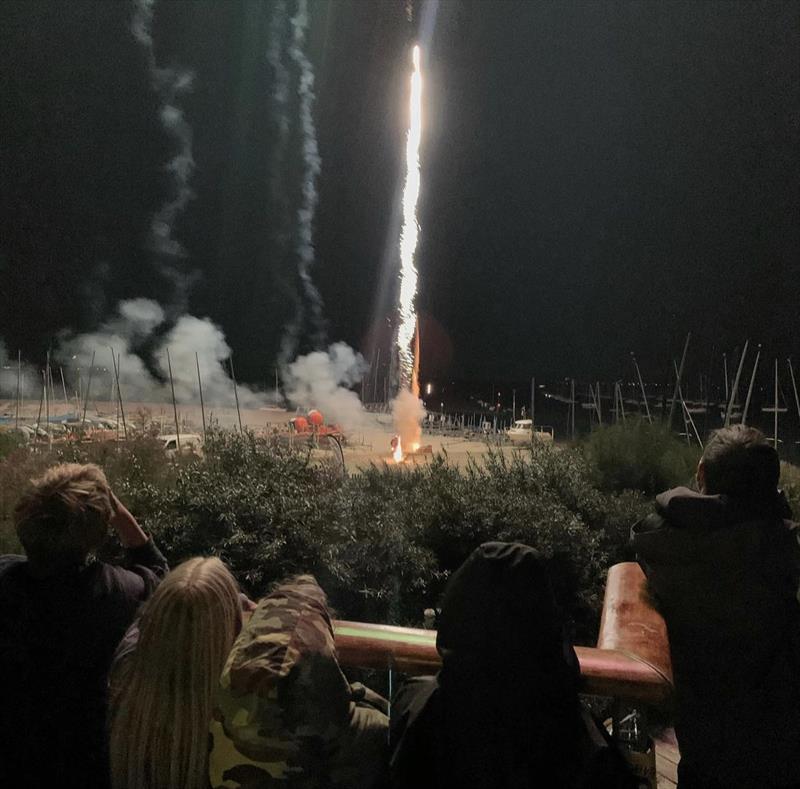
[598, 177]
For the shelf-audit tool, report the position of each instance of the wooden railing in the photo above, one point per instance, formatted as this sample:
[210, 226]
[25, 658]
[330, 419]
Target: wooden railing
[630, 662]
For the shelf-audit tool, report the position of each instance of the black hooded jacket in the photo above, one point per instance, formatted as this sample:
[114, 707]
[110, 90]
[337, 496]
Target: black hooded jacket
[504, 709]
[724, 573]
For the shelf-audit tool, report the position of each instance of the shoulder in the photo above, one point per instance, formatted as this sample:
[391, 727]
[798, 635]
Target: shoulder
[9, 561]
[13, 587]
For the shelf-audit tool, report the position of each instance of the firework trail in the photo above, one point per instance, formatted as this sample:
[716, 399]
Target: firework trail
[169, 84]
[410, 231]
[312, 164]
[280, 91]
[407, 409]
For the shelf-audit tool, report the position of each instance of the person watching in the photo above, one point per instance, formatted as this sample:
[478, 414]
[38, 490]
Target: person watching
[723, 567]
[284, 714]
[62, 614]
[504, 711]
[165, 675]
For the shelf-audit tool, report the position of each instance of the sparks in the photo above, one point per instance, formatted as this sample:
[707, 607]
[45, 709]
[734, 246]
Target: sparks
[410, 231]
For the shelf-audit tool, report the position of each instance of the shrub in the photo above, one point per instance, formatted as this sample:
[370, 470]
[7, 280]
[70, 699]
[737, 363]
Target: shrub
[10, 441]
[637, 455]
[790, 482]
[383, 542]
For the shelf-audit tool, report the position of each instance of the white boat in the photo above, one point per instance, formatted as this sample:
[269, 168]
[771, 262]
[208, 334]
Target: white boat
[524, 432]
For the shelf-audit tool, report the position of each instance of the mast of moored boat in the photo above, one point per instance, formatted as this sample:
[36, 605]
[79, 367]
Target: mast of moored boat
[735, 387]
[641, 386]
[750, 388]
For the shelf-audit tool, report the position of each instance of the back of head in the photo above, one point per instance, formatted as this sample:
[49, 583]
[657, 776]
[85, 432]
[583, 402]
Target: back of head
[738, 461]
[509, 677]
[501, 595]
[63, 516]
[162, 694]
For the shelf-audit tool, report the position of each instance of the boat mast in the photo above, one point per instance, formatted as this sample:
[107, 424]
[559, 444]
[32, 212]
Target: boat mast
[735, 387]
[641, 386]
[750, 388]
[679, 375]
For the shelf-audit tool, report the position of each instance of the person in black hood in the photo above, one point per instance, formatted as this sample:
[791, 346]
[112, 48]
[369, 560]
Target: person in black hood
[723, 567]
[504, 710]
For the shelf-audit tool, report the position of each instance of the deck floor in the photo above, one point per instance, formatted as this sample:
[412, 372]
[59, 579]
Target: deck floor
[667, 758]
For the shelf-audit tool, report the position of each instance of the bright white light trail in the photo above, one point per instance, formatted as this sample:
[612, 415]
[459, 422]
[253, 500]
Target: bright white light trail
[410, 231]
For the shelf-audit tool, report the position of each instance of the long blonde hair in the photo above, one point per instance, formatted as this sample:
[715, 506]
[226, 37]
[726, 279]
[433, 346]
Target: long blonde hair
[161, 695]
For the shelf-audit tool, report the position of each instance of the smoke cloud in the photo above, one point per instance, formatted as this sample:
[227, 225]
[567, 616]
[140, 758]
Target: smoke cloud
[408, 412]
[137, 322]
[321, 380]
[312, 164]
[169, 84]
[30, 379]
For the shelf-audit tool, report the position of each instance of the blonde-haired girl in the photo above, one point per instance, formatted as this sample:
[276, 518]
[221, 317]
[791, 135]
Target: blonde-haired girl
[165, 675]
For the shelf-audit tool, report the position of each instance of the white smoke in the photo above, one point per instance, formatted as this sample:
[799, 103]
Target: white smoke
[201, 335]
[312, 164]
[321, 380]
[136, 322]
[169, 83]
[14, 373]
[408, 411]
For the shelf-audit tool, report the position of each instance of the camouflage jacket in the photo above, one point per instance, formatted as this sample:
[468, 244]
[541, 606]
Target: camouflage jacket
[284, 714]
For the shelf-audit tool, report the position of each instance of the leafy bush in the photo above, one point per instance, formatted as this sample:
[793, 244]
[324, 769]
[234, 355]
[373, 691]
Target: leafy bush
[637, 455]
[382, 542]
[790, 482]
[9, 442]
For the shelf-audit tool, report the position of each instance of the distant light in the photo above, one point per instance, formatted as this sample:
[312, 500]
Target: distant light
[428, 388]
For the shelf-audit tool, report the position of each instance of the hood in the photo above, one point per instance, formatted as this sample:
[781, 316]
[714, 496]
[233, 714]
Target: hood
[508, 687]
[685, 508]
[499, 610]
[694, 528]
[282, 696]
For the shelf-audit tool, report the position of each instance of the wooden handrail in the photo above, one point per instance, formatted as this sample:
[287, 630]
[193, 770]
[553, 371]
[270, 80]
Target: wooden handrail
[631, 660]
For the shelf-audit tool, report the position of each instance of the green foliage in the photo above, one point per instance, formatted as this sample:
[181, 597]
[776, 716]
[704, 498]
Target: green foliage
[382, 542]
[637, 455]
[10, 441]
[790, 482]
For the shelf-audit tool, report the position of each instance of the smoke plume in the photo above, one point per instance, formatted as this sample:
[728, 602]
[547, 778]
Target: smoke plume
[30, 379]
[312, 163]
[408, 412]
[321, 380]
[139, 320]
[169, 84]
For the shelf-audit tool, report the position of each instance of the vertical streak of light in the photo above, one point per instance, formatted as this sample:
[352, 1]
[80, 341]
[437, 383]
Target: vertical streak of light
[410, 230]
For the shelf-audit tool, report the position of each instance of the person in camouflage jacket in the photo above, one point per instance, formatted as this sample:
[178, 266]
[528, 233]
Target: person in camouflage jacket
[284, 715]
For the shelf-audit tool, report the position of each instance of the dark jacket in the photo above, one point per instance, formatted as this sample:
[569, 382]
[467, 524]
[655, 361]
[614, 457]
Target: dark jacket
[57, 637]
[724, 573]
[504, 710]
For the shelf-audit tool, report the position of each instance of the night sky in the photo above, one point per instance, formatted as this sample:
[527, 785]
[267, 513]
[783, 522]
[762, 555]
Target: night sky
[597, 177]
